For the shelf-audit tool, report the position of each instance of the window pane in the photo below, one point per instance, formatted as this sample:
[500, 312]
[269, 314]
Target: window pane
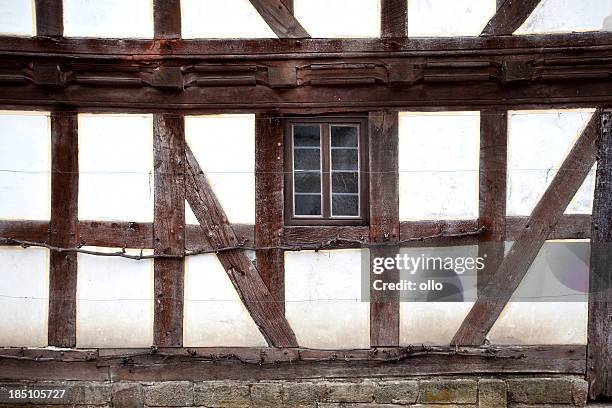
[343, 136]
[344, 159]
[306, 135]
[306, 159]
[307, 204]
[345, 182]
[345, 205]
[307, 182]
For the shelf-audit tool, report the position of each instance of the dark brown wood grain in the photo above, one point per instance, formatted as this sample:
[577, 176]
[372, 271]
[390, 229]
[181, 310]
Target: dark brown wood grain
[280, 18]
[261, 363]
[263, 308]
[599, 362]
[393, 18]
[548, 211]
[269, 204]
[63, 229]
[167, 19]
[492, 191]
[169, 228]
[49, 18]
[570, 226]
[510, 15]
[384, 223]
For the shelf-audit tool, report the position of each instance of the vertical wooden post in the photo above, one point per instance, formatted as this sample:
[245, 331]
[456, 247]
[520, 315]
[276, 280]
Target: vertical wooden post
[393, 18]
[63, 229]
[384, 223]
[169, 228]
[167, 19]
[49, 18]
[599, 345]
[492, 196]
[269, 203]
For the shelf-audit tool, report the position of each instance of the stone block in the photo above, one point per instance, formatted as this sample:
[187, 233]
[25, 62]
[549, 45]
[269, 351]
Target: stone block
[169, 394]
[396, 392]
[459, 391]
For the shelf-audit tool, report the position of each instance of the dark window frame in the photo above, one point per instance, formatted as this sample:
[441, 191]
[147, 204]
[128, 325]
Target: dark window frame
[361, 121]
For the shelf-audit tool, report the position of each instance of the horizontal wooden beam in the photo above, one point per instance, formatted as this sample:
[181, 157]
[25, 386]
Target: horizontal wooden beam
[140, 235]
[201, 364]
[316, 75]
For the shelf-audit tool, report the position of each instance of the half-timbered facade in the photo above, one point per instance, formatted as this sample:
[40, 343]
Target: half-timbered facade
[182, 203]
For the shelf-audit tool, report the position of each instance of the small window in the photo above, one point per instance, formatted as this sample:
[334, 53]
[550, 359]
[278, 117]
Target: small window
[326, 167]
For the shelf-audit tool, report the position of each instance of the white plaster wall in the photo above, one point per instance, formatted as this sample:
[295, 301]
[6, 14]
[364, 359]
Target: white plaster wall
[538, 142]
[222, 19]
[25, 165]
[339, 18]
[432, 322]
[436, 18]
[558, 16]
[116, 167]
[17, 17]
[114, 301]
[214, 314]
[24, 296]
[224, 146]
[559, 278]
[438, 165]
[108, 18]
[323, 299]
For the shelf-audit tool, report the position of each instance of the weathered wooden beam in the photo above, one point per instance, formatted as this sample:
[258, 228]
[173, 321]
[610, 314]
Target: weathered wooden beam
[167, 19]
[313, 76]
[492, 191]
[510, 15]
[546, 214]
[280, 18]
[599, 340]
[263, 308]
[63, 229]
[261, 363]
[140, 235]
[169, 228]
[393, 18]
[269, 204]
[49, 18]
[384, 223]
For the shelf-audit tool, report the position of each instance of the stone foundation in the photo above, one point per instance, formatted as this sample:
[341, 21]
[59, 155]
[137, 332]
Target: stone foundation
[429, 392]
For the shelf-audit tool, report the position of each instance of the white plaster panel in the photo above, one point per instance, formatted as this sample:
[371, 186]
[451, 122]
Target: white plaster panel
[17, 17]
[214, 314]
[224, 146]
[538, 142]
[25, 165]
[323, 299]
[108, 18]
[541, 323]
[436, 18]
[433, 323]
[222, 19]
[558, 277]
[114, 301]
[339, 18]
[24, 296]
[559, 16]
[116, 167]
[438, 164]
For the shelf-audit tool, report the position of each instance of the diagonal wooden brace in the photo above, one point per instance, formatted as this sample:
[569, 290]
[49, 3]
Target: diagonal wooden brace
[266, 313]
[543, 219]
